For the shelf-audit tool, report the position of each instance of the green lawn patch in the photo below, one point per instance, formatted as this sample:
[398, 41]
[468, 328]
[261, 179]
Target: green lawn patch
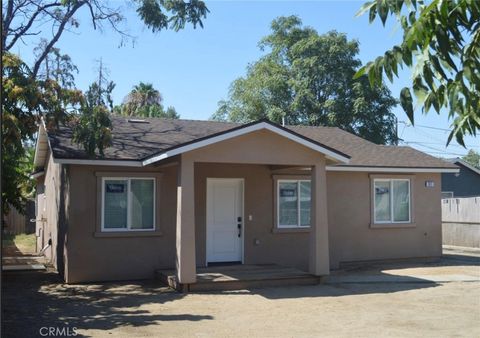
[26, 244]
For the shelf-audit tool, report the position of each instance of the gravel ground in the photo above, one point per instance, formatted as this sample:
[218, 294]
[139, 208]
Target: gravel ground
[143, 309]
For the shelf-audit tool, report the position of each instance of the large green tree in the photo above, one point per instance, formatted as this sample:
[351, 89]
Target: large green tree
[24, 99]
[441, 43]
[307, 79]
[145, 101]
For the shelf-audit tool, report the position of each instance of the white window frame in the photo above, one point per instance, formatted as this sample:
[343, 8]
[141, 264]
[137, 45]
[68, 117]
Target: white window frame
[280, 226]
[129, 204]
[391, 221]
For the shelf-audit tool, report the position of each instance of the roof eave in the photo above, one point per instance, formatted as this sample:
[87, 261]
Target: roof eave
[113, 163]
[467, 165]
[393, 169]
[41, 152]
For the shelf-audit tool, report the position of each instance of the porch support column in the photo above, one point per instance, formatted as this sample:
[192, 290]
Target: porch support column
[185, 235]
[319, 261]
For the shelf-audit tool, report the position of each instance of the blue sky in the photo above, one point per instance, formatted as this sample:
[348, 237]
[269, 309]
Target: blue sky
[194, 68]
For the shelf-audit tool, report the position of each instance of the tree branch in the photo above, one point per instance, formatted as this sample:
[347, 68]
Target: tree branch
[61, 27]
[93, 15]
[29, 24]
[6, 22]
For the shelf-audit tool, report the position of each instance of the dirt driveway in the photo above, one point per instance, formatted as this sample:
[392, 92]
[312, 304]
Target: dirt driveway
[415, 307]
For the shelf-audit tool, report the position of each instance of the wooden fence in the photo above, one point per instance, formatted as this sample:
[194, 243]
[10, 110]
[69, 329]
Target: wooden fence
[461, 210]
[461, 221]
[16, 223]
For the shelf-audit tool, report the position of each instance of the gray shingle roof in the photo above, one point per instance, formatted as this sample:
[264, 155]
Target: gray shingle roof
[137, 141]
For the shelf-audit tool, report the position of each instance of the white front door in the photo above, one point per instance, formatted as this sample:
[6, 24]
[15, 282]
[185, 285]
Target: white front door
[224, 220]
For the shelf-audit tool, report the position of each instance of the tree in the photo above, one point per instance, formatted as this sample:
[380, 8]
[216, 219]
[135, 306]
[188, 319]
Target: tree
[441, 42]
[21, 19]
[57, 66]
[29, 93]
[92, 126]
[473, 158]
[307, 79]
[24, 100]
[145, 101]
[171, 113]
[142, 95]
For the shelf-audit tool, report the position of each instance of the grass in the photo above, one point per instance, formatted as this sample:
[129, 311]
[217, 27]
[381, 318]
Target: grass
[25, 243]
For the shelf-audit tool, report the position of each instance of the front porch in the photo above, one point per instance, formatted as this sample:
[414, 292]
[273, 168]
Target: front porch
[238, 221]
[238, 277]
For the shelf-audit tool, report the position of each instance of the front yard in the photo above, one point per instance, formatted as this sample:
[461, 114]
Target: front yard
[138, 309]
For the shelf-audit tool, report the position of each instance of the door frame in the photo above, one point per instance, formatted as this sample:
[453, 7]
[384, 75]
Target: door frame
[242, 212]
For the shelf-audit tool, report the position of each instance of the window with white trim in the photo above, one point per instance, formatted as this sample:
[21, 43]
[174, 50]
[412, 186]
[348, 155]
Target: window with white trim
[128, 204]
[392, 201]
[293, 203]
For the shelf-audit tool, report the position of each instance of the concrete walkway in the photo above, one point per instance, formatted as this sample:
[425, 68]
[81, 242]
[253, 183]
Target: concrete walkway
[387, 278]
[23, 263]
[458, 264]
[461, 250]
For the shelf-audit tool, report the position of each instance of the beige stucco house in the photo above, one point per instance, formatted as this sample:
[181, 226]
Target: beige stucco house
[184, 194]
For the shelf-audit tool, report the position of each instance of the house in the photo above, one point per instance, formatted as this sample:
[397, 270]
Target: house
[183, 194]
[465, 183]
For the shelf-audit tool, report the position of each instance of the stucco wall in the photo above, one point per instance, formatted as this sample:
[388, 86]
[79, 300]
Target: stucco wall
[95, 256]
[134, 256]
[352, 238]
[290, 249]
[53, 191]
[350, 235]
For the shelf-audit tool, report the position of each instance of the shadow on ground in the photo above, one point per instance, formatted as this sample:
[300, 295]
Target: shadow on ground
[34, 300]
[39, 299]
[11, 250]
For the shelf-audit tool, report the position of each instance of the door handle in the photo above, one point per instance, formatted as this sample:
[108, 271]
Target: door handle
[239, 226]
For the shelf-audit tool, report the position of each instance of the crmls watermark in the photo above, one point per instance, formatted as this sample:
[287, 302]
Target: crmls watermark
[55, 331]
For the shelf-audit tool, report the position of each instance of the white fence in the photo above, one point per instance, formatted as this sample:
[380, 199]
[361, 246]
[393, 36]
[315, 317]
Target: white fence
[461, 210]
[461, 221]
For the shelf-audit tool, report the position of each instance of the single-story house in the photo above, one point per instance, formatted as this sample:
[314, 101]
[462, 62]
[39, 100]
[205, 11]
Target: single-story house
[183, 194]
[465, 183]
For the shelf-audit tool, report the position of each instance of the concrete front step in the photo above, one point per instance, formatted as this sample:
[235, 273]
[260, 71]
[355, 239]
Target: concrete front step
[239, 277]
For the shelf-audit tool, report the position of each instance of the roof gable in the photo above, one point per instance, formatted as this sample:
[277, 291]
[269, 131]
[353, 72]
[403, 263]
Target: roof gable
[466, 165]
[246, 129]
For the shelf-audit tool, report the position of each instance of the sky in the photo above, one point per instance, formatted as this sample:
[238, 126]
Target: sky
[193, 68]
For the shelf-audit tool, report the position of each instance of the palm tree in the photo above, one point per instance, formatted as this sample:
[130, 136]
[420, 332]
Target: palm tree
[145, 101]
[145, 94]
[142, 97]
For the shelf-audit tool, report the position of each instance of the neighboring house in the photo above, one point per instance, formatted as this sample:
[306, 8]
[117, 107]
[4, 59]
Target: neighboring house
[182, 194]
[465, 183]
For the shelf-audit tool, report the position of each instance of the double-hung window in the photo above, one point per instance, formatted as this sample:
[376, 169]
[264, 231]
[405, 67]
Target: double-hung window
[128, 204]
[392, 201]
[293, 203]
